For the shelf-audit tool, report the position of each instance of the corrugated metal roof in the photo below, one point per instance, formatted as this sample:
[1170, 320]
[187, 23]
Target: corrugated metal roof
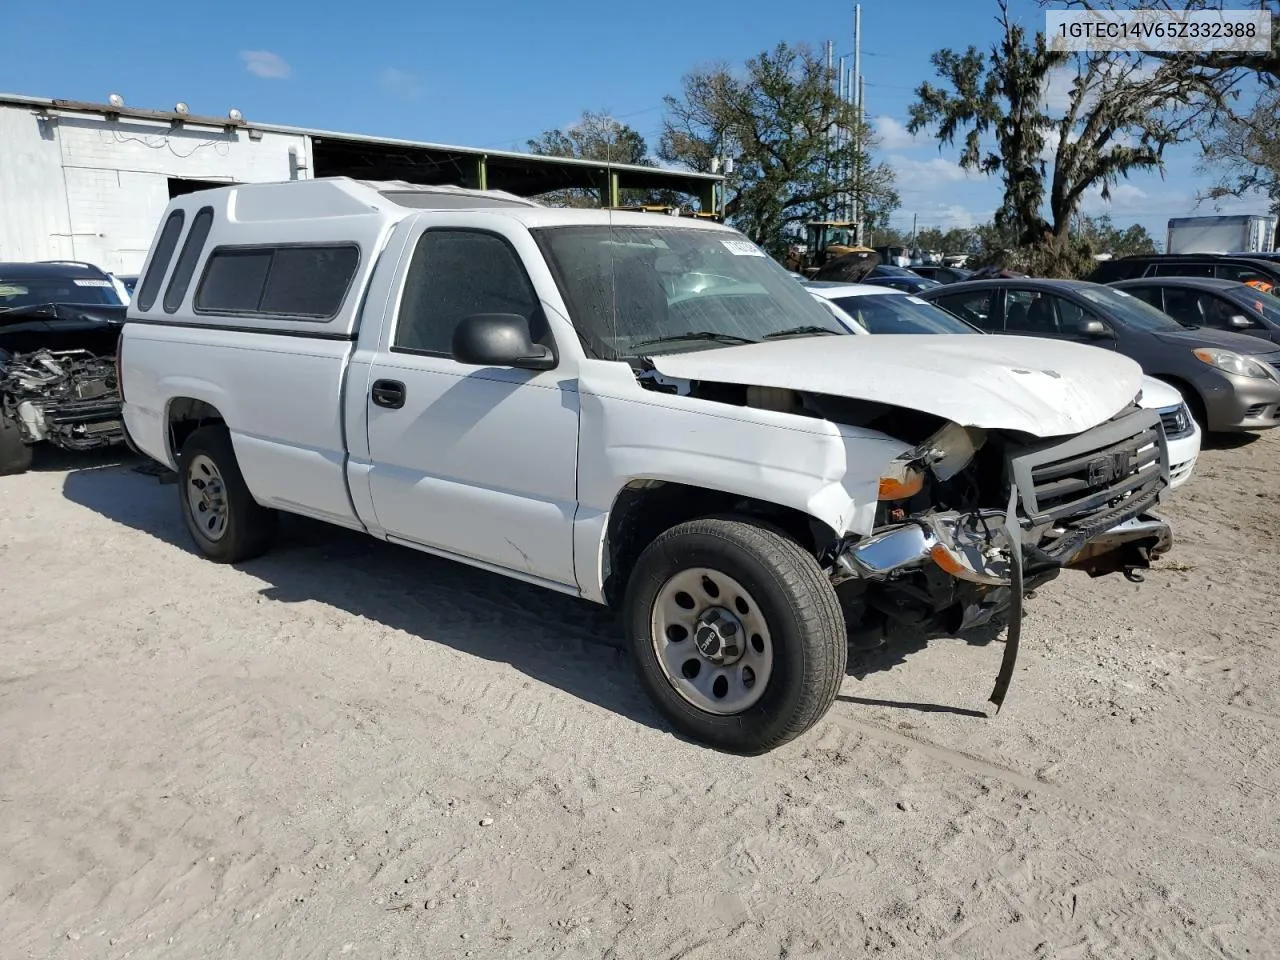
[103, 109]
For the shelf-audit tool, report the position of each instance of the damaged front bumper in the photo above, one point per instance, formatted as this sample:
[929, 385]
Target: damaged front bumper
[1082, 504]
[976, 547]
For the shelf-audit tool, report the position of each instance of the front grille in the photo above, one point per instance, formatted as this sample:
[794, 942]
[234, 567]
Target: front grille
[1176, 422]
[1087, 484]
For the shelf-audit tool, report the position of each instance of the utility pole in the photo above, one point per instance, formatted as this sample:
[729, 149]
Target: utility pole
[913, 235]
[842, 170]
[861, 112]
[832, 133]
[856, 94]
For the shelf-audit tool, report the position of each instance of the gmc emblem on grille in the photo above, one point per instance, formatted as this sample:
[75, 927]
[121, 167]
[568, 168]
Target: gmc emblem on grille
[1105, 470]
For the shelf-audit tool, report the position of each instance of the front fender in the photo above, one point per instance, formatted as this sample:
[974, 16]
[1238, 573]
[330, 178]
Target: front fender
[825, 470]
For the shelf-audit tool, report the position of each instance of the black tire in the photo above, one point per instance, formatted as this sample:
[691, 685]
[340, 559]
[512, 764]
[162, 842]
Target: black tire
[798, 604]
[15, 456]
[250, 527]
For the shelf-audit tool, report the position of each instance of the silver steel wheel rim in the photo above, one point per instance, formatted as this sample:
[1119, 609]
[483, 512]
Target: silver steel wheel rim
[695, 616]
[207, 498]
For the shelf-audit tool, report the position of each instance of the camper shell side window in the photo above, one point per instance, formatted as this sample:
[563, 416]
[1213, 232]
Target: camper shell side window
[303, 281]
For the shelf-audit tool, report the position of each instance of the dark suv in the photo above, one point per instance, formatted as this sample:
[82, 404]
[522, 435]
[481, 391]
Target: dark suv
[1239, 269]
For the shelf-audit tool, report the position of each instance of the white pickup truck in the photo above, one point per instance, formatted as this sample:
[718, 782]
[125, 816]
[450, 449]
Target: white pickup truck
[637, 410]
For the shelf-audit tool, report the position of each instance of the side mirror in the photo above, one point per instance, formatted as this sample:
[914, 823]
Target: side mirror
[499, 340]
[1095, 329]
[1239, 321]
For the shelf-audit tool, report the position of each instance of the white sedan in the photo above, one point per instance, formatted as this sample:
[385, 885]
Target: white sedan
[863, 309]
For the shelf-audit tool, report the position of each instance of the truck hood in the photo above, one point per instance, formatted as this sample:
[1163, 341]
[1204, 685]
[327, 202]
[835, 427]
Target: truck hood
[1046, 388]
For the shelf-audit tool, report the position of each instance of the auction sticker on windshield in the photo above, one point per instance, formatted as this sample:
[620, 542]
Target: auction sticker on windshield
[742, 248]
[92, 283]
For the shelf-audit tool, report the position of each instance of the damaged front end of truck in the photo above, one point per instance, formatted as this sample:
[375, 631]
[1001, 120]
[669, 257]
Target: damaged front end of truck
[971, 520]
[1016, 460]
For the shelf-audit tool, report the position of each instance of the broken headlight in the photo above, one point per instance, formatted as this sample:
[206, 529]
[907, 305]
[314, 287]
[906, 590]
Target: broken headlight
[944, 454]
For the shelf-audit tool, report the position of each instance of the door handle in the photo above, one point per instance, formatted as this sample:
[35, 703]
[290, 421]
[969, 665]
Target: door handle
[388, 393]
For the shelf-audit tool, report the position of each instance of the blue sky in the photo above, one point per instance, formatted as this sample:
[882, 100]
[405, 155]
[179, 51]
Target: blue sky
[496, 74]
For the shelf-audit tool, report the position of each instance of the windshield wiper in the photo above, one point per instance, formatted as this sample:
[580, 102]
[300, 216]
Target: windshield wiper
[799, 331]
[696, 335]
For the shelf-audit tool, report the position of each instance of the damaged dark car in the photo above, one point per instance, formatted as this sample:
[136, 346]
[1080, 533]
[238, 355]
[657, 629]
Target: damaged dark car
[59, 328]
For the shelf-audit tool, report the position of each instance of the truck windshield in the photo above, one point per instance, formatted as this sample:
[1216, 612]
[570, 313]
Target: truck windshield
[35, 292]
[647, 290]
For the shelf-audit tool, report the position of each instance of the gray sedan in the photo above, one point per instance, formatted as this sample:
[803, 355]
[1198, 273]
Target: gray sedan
[1230, 381]
[1210, 302]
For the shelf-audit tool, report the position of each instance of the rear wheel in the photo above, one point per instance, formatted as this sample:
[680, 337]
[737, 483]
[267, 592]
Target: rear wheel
[224, 520]
[736, 633]
[15, 455]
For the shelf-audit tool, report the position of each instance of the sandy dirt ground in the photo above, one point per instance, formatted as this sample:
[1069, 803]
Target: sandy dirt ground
[349, 749]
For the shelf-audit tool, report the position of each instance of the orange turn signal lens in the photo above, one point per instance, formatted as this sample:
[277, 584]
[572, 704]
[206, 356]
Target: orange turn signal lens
[947, 561]
[902, 484]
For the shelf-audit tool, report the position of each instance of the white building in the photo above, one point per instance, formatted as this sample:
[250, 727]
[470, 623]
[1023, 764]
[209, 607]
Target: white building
[86, 181]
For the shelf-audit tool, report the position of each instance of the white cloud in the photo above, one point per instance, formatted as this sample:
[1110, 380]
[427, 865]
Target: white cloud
[1052, 138]
[941, 216]
[1124, 197]
[958, 216]
[265, 64]
[1055, 96]
[895, 136]
[401, 83]
[936, 171]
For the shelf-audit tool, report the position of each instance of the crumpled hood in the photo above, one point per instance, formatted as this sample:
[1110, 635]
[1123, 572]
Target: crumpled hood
[1046, 388]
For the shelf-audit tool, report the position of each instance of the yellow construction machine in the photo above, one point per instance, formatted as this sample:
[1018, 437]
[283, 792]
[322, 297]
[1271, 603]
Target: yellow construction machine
[825, 240]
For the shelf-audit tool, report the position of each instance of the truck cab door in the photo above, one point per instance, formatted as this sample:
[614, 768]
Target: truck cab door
[479, 463]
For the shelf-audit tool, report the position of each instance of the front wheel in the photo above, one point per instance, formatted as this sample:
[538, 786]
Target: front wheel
[224, 520]
[736, 632]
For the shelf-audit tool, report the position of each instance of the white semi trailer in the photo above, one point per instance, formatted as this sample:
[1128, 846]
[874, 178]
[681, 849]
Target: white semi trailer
[1238, 233]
